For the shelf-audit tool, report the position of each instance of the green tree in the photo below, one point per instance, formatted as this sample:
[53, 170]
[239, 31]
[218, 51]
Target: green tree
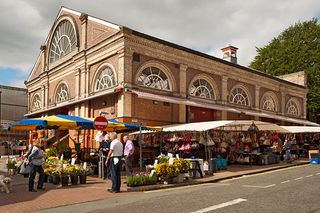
[297, 48]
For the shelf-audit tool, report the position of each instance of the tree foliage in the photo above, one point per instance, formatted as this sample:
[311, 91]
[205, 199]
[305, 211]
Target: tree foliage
[297, 48]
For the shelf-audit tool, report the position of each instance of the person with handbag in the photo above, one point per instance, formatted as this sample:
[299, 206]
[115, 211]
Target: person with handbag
[35, 162]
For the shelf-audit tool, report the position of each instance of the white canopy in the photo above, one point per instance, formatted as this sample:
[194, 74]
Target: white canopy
[302, 129]
[233, 125]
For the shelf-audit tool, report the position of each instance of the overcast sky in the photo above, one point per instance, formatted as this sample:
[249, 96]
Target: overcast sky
[204, 25]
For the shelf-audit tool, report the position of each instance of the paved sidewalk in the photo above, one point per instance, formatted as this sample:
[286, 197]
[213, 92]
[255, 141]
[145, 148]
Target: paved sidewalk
[20, 200]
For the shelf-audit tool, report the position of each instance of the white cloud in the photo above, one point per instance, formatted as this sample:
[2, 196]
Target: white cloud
[202, 25]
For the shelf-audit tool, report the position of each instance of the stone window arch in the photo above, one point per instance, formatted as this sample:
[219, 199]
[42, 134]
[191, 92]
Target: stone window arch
[203, 86]
[292, 107]
[36, 103]
[63, 42]
[106, 78]
[156, 76]
[240, 95]
[62, 93]
[269, 102]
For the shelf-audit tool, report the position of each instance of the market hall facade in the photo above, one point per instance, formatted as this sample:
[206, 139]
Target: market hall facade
[87, 66]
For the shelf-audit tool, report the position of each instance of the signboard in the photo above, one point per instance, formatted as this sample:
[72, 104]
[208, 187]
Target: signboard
[100, 123]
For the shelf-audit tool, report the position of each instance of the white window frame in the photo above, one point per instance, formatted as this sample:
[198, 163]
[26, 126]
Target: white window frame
[63, 42]
[154, 77]
[62, 94]
[239, 96]
[106, 79]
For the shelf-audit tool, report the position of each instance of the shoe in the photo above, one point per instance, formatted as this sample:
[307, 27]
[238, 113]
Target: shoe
[42, 189]
[32, 190]
[109, 190]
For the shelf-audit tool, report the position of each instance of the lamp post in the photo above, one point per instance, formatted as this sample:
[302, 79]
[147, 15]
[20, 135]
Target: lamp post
[0, 111]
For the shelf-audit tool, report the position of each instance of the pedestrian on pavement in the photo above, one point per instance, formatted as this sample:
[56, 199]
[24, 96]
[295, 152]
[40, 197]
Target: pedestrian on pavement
[128, 155]
[287, 148]
[114, 156]
[104, 147]
[35, 161]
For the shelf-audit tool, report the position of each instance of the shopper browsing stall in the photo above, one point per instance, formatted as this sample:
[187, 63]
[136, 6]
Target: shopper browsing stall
[128, 154]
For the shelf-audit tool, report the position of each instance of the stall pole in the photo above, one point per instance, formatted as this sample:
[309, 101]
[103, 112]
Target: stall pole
[161, 139]
[209, 152]
[204, 134]
[140, 146]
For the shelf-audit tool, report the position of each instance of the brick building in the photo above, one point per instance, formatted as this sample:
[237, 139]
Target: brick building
[88, 65]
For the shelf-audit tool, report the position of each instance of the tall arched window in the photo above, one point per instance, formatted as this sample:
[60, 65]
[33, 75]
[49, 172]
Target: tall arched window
[155, 78]
[36, 103]
[105, 79]
[269, 102]
[203, 89]
[63, 41]
[293, 108]
[62, 94]
[239, 96]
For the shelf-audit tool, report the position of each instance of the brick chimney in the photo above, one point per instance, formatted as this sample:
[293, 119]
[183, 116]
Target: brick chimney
[229, 53]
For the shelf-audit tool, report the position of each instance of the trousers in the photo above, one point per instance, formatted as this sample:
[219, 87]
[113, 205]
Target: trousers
[32, 175]
[115, 171]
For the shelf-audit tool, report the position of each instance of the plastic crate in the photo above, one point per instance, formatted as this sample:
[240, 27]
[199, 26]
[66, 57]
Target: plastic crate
[314, 160]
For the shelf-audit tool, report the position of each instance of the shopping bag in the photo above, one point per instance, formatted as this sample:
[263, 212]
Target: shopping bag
[25, 168]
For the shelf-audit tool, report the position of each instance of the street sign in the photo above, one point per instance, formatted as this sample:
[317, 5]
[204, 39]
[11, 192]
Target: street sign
[100, 123]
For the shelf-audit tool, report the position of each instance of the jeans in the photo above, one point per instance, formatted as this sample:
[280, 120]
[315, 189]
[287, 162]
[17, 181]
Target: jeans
[288, 155]
[115, 171]
[32, 175]
[128, 161]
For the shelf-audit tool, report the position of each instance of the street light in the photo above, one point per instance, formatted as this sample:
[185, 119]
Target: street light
[0, 111]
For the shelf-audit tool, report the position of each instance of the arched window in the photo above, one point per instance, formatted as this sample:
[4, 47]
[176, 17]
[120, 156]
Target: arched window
[202, 88]
[62, 93]
[63, 41]
[106, 79]
[292, 108]
[269, 103]
[36, 103]
[155, 78]
[239, 96]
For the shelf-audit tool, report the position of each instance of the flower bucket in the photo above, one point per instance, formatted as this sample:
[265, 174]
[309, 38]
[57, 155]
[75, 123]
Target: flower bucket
[83, 179]
[56, 180]
[50, 179]
[74, 179]
[64, 180]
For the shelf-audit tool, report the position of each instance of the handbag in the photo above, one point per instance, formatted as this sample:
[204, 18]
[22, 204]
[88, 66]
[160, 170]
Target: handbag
[25, 168]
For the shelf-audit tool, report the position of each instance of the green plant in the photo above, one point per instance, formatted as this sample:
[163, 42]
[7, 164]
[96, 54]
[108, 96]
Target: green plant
[74, 170]
[139, 180]
[173, 171]
[163, 159]
[11, 164]
[65, 172]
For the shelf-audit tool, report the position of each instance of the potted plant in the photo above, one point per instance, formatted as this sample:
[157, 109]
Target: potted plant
[64, 173]
[141, 180]
[11, 166]
[83, 172]
[74, 175]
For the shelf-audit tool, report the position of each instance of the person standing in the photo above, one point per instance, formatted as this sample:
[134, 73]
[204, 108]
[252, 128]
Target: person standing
[287, 148]
[114, 156]
[128, 155]
[35, 161]
[104, 147]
